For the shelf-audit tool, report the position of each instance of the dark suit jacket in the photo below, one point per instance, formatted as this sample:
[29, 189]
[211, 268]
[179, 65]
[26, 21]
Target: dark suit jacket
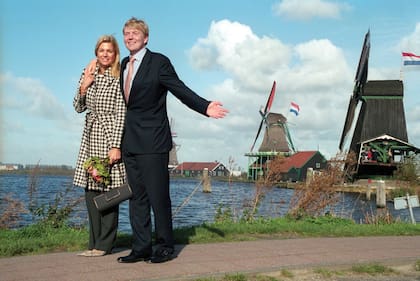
[146, 124]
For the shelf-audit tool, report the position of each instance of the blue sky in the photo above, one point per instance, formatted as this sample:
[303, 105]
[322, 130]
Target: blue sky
[230, 51]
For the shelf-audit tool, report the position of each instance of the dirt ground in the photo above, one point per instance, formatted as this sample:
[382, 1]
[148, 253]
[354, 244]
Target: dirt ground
[401, 272]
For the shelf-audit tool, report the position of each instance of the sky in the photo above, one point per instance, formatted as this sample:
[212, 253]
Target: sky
[229, 51]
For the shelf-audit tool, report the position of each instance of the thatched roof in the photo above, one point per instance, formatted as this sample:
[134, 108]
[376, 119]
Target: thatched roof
[275, 138]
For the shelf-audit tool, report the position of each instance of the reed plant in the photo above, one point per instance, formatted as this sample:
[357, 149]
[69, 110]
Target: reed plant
[55, 213]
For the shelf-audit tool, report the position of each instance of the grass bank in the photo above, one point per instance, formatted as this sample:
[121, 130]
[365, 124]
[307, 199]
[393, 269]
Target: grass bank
[44, 238]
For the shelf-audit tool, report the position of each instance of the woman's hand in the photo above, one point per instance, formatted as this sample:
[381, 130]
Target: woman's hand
[114, 155]
[89, 76]
[91, 67]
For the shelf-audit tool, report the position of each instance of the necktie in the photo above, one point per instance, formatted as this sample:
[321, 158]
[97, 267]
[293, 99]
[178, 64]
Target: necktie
[128, 78]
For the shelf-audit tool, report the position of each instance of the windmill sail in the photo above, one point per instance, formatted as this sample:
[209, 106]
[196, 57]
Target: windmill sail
[360, 81]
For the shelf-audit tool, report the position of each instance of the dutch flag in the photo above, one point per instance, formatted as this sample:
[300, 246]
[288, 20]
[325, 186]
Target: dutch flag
[410, 59]
[294, 108]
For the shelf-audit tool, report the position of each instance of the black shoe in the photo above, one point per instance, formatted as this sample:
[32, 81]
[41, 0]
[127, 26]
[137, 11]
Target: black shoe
[162, 255]
[133, 257]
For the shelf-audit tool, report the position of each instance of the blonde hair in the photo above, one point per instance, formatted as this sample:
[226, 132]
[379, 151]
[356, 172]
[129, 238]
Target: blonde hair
[137, 24]
[115, 67]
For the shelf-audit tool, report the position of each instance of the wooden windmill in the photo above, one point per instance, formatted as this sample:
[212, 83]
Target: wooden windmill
[276, 141]
[173, 157]
[276, 136]
[380, 134]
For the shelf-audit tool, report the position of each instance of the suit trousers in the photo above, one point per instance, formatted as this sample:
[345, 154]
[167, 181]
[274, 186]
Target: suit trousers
[103, 226]
[148, 177]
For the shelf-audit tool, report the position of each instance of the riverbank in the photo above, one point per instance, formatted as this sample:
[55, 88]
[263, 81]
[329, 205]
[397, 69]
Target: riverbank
[46, 237]
[40, 172]
[191, 206]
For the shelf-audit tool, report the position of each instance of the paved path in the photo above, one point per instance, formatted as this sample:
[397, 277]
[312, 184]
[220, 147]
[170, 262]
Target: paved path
[199, 260]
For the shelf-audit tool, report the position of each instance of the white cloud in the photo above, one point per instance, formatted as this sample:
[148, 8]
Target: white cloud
[314, 74]
[308, 9]
[234, 48]
[383, 73]
[413, 124]
[30, 95]
[321, 65]
[411, 43]
[35, 125]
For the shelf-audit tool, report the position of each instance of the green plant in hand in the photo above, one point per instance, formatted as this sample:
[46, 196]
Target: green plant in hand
[98, 168]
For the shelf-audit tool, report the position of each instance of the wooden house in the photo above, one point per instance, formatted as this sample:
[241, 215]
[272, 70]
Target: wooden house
[294, 167]
[195, 169]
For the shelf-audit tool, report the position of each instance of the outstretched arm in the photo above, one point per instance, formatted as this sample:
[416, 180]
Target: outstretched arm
[215, 110]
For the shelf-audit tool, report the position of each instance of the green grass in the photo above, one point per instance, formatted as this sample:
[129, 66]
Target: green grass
[287, 228]
[287, 273]
[43, 238]
[372, 269]
[328, 273]
[417, 265]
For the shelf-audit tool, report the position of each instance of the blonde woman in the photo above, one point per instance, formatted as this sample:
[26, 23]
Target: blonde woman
[99, 96]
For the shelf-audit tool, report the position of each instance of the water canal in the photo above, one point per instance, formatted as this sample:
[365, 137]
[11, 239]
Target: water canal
[201, 207]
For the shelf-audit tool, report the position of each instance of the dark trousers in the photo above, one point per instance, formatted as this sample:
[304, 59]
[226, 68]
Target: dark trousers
[148, 177]
[103, 226]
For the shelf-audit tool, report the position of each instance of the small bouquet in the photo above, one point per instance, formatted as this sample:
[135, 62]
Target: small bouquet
[98, 168]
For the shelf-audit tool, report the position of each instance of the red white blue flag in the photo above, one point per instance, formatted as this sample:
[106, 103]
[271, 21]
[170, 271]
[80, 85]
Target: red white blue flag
[294, 108]
[410, 59]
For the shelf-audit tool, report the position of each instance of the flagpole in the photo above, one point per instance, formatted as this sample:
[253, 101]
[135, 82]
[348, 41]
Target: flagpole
[401, 68]
[401, 74]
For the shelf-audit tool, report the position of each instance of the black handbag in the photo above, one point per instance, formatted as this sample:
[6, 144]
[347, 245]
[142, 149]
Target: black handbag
[113, 197]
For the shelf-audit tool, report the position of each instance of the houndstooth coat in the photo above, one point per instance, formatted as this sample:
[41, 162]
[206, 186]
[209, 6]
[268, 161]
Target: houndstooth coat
[103, 129]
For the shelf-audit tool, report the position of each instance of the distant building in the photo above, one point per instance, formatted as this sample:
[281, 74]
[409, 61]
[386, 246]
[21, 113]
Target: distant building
[294, 167]
[10, 167]
[46, 167]
[195, 169]
[236, 173]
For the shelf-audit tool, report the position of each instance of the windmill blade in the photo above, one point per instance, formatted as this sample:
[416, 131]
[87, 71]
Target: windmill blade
[360, 81]
[270, 99]
[349, 120]
[362, 68]
[258, 133]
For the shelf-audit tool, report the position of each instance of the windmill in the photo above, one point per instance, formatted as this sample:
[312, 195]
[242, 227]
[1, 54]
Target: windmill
[264, 113]
[277, 135]
[173, 158]
[276, 139]
[379, 138]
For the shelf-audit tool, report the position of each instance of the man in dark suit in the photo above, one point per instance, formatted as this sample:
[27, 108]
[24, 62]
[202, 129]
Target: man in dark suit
[146, 78]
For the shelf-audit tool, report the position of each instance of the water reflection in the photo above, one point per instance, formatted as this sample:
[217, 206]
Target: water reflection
[201, 207]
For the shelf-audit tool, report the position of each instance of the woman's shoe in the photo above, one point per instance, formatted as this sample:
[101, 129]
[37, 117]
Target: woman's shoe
[97, 253]
[86, 253]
